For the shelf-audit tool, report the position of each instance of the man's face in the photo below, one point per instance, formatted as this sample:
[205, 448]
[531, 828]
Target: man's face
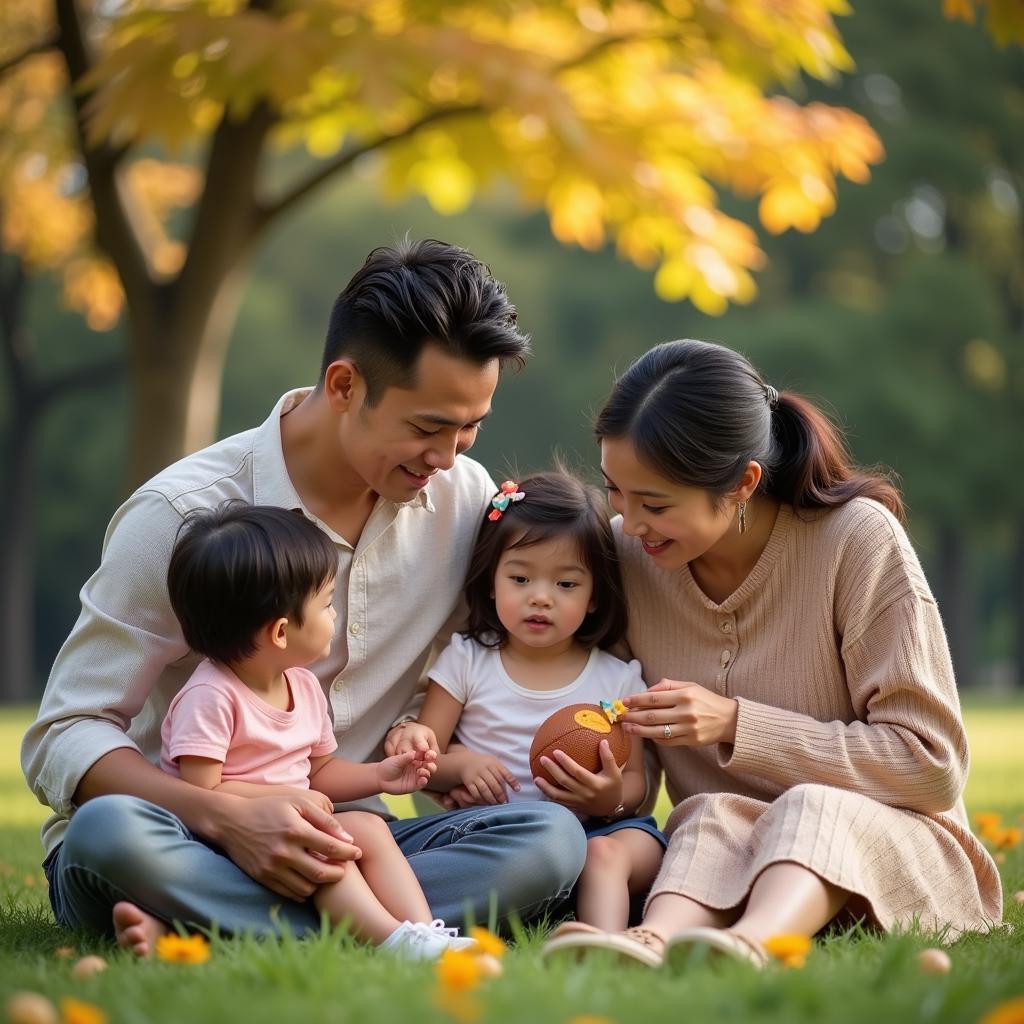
[396, 446]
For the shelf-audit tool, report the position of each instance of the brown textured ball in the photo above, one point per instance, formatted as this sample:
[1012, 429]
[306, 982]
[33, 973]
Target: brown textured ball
[578, 730]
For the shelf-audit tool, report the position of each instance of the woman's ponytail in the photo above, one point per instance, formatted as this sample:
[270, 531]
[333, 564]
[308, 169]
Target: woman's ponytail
[812, 467]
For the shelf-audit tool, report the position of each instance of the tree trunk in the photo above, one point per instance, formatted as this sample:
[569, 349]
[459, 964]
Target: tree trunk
[17, 527]
[1017, 611]
[177, 370]
[956, 600]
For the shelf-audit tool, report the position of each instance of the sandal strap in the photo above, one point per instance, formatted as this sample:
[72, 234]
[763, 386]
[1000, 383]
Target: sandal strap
[646, 938]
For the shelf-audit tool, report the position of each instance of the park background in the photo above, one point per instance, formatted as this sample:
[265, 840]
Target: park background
[877, 266]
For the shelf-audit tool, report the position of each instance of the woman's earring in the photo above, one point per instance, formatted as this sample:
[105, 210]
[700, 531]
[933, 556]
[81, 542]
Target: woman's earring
[741, 509]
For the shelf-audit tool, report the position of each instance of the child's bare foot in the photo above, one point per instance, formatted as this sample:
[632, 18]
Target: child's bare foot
[136, 930]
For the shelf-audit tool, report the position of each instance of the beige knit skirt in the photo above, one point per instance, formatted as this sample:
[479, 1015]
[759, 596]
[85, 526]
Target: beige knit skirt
[900, 866]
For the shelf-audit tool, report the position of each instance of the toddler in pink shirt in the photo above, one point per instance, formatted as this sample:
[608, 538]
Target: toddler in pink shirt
[253, 589]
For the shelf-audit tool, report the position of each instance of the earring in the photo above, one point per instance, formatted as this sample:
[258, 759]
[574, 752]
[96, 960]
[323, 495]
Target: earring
[741, 509]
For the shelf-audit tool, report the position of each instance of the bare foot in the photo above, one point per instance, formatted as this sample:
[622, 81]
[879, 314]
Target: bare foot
[136, 930]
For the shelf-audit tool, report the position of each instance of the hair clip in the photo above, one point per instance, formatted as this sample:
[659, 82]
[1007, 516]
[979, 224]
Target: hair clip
[508, 493]
[613, 710]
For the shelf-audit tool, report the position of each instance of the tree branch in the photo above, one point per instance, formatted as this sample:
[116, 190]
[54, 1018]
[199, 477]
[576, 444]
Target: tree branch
[115, 230]
[41, 46]
[270, 212]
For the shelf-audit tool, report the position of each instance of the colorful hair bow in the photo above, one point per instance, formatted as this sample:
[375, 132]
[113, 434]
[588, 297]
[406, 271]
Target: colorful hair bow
[613, 710]
[508, 493]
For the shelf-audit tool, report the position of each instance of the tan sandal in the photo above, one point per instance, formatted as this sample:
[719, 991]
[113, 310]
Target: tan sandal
[635, 945]
[715, 944]
[575, 928]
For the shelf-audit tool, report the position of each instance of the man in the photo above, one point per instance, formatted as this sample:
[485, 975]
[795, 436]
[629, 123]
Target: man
[414, 349]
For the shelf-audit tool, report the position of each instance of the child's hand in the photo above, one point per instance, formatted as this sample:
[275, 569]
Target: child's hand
[589, 793]
[486, 777]
[405, 773]
[409, 736]
[318, 799]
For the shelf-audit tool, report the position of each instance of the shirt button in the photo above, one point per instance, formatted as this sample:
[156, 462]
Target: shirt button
[727, 626]
[339, 683]
[726, 655]
[354, 629]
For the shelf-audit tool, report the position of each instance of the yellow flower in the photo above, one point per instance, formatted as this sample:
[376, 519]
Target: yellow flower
[74, 1011]
[177, 949]
[1010, 1012]
[488, 942]
[790, 950]
[458, 971]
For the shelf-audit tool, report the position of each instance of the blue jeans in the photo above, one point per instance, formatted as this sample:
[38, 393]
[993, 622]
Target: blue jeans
[521, 858]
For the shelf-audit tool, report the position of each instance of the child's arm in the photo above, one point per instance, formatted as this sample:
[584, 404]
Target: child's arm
[207, 772]
[343, 781]
[597, 794]
[483, 775]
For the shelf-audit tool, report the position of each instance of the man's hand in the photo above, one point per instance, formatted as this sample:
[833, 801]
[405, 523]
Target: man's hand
[591, 793]
[405, 773]
[289, 844]
[409, 736]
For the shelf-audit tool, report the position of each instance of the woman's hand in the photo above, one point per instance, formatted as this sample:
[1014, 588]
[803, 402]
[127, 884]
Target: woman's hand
[595, 794]
[695, 716]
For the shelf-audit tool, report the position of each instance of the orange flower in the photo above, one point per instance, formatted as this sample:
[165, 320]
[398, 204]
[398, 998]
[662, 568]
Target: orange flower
[790, 950]
[74, 1011]
[178, 949]
[1007, 838]
[1010, 1012]
[987, 823]
[461, 1006]
[488, 942]
[458, 971]
[589, 1019]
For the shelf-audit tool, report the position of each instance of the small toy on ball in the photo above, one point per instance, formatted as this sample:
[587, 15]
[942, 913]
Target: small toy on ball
[577, 730]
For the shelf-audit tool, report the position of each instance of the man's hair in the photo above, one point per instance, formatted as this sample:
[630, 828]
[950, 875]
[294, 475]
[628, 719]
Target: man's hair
[414, 293]
[239, 567]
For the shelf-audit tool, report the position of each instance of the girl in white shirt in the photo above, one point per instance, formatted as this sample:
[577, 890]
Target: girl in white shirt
[545, 597]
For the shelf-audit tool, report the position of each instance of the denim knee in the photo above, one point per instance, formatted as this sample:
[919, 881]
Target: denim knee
[555, 858]
[114, 835]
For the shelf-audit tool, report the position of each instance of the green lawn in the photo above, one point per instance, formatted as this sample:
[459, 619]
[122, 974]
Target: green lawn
[848, 978]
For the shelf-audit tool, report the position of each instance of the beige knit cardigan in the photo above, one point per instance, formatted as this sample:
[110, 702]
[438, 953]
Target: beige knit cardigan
[850, 753]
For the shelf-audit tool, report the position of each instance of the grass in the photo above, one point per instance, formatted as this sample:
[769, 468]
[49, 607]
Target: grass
[854, 977]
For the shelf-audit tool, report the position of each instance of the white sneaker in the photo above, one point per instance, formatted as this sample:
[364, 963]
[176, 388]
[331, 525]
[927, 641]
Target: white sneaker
[450, 935]
[416, 940]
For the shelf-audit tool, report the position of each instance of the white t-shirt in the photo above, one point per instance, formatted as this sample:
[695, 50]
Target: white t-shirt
[500, 717]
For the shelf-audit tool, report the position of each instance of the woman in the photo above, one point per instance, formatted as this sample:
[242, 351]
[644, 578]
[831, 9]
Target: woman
[806, 717]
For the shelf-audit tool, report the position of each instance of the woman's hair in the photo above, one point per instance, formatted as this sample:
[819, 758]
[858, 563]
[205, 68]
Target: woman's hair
[239, 567]
[697, 413]
[555, 505]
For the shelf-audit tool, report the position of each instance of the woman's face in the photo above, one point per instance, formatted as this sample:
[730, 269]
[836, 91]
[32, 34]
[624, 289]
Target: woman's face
[675, 523]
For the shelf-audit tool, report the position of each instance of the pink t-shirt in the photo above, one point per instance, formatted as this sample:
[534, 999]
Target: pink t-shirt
[216, 715]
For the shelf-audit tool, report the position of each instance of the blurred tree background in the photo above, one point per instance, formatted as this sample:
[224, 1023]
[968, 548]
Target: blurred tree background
[903, 311]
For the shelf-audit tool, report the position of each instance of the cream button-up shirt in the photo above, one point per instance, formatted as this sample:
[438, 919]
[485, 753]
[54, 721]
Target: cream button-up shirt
[397, 593]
